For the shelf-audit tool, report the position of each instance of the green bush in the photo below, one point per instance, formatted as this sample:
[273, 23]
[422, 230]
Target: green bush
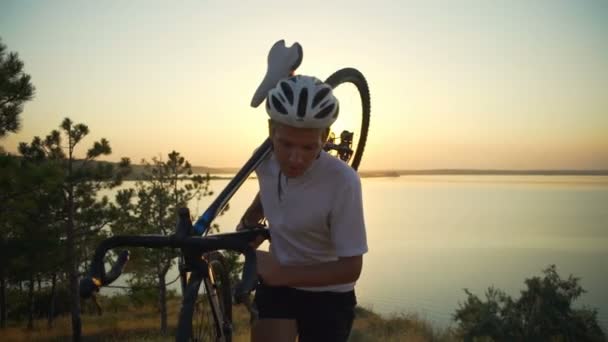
[542, 313]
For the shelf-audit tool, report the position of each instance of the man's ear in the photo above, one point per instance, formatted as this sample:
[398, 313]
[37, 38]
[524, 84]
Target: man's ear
[325, 135]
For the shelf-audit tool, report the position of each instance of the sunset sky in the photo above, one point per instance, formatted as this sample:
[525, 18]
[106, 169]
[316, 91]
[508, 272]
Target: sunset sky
[454, 84]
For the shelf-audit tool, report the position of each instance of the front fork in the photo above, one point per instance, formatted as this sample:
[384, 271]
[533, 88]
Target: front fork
[208, 282]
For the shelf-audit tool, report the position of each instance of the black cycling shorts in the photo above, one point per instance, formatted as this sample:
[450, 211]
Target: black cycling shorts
[320, 316]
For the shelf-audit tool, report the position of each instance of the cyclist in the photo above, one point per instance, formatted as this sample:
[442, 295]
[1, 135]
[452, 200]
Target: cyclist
[313, 205]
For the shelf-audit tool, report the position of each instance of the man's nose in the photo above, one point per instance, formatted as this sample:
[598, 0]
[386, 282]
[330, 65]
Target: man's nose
[296, 156]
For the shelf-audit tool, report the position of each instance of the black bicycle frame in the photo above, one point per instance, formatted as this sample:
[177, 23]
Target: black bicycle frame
[202, 225]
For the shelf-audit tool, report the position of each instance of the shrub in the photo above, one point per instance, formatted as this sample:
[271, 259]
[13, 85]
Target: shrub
[542, 313]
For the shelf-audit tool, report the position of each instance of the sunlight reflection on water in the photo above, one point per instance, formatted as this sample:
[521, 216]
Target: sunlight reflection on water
[432, 236]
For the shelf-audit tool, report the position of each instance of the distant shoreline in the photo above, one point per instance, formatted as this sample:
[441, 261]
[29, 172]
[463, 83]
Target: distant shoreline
[219, 173]
[437, 172]
[474, 172]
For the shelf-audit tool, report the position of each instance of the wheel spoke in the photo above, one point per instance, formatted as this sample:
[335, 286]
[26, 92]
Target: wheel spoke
[215, 288]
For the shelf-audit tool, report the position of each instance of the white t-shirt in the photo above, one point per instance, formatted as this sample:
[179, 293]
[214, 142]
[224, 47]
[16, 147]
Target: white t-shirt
[318, 216]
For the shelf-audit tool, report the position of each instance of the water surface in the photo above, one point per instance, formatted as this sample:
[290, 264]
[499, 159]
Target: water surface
[432, 236]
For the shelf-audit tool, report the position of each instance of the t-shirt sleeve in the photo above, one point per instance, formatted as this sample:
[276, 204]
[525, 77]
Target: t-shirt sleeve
[264, 167]
[347, 224]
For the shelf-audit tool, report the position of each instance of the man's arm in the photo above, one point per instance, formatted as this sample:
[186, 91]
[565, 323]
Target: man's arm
[342, 271]
[253, 215]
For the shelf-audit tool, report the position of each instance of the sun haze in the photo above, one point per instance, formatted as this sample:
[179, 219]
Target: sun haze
[467, 84]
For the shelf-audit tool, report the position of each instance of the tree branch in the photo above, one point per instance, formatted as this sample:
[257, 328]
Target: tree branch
[92, 229]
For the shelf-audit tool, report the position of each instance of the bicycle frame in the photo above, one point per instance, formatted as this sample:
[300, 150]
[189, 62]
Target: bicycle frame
[193, 240]
[202, 225]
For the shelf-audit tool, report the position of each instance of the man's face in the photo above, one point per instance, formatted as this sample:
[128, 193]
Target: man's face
[296, 148]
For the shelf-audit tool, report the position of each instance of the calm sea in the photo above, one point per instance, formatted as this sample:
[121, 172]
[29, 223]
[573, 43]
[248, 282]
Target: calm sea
[430, 237]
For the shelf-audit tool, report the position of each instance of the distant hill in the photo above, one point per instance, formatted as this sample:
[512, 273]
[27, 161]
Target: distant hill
[138, 170]
[226, 172]
[214, 170]
[397, 173]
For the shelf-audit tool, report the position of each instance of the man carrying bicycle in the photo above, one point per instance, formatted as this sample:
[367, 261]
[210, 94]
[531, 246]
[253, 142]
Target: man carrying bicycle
[313, 205]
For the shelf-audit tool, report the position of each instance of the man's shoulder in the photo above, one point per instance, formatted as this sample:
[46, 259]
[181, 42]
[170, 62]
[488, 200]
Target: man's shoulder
[267, 166]
[339, 170]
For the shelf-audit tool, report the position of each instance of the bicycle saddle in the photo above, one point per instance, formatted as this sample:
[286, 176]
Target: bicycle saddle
[282, 62]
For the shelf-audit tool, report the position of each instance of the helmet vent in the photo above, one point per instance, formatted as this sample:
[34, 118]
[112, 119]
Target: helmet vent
[278, 105]
[288, 92]
[325, 111]
[303, 102]
[320, 96]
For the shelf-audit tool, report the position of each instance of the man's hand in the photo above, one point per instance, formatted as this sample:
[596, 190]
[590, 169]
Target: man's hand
[252, 218]
[258, 239]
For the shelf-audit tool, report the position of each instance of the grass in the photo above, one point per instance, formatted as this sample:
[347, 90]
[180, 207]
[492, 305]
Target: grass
[370, 326]
[130, 323]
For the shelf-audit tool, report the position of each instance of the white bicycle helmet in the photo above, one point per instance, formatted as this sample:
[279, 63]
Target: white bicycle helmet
[303, 102]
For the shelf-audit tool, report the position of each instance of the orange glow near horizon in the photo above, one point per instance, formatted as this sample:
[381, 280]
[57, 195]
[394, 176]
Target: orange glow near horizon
[449, 87]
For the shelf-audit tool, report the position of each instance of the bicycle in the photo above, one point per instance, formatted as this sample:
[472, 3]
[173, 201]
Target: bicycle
[206, 311]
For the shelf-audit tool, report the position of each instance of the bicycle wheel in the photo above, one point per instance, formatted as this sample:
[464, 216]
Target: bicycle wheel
[351, 141]
[206, 313]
